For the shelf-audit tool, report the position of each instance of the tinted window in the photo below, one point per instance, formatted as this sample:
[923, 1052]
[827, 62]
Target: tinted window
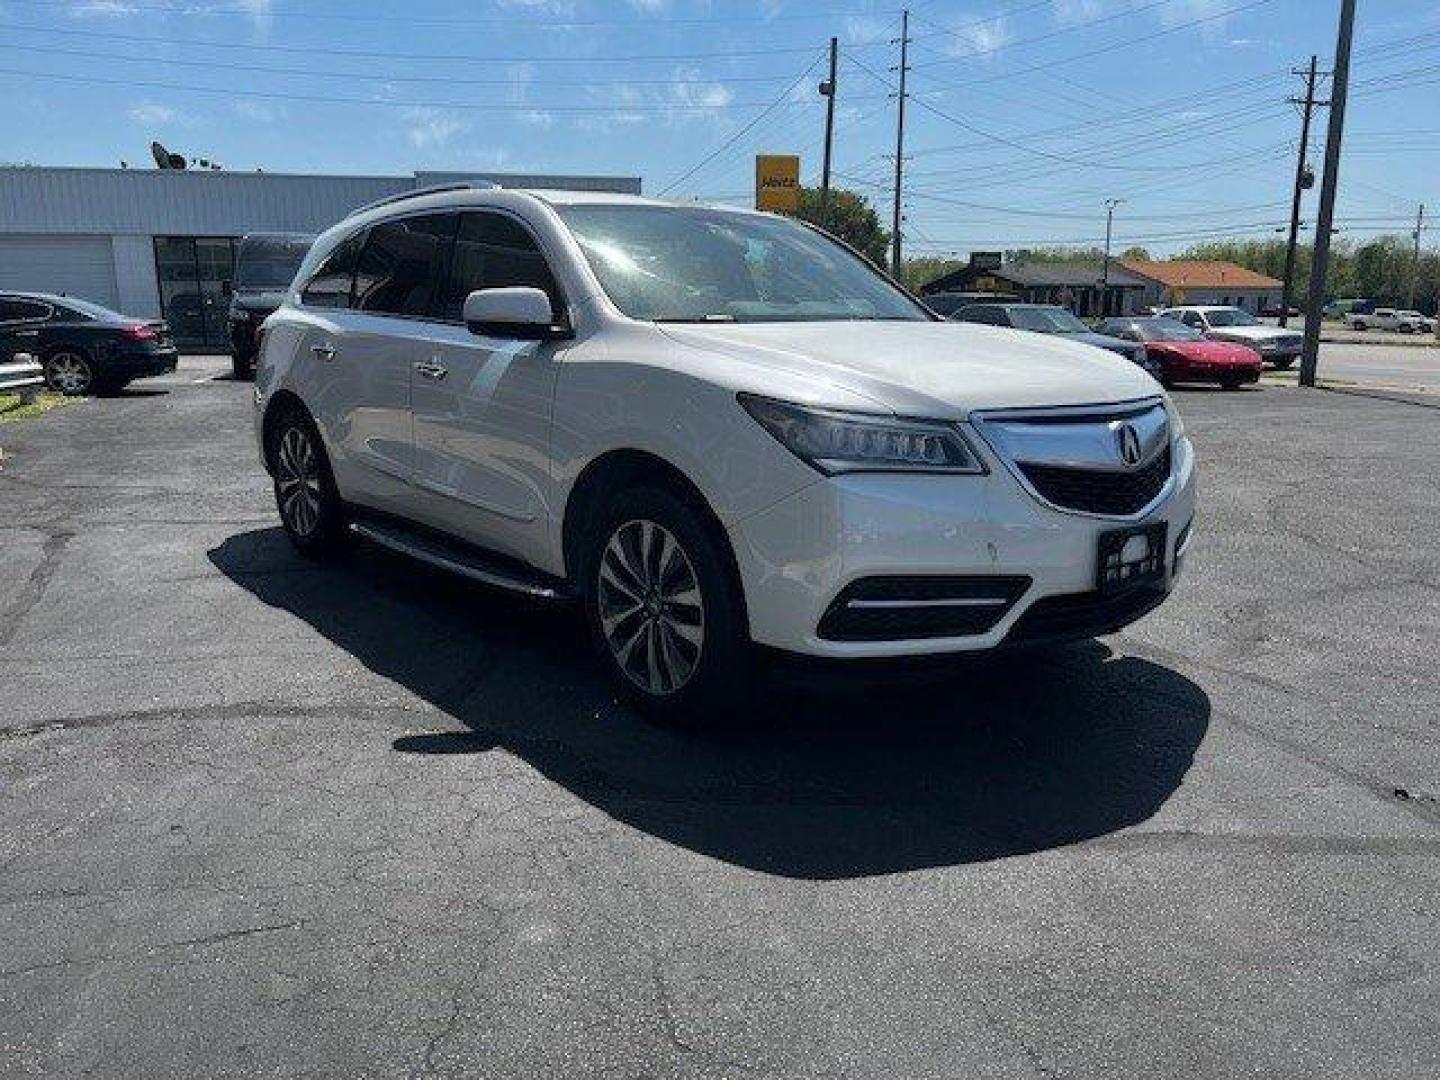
[330, 285]
[992, 316]
[401, 268]
[69, 314]
[493, 251]
[15, 310]
[269, 262]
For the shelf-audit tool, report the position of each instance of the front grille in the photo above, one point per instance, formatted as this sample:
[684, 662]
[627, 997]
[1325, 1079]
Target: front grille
[1097, 491]
[1081, 615]
[913, 607]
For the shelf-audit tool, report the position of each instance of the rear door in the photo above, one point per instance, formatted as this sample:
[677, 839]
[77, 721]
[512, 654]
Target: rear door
[481, 404]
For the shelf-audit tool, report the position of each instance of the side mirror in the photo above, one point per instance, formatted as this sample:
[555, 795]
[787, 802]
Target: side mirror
[513, 312]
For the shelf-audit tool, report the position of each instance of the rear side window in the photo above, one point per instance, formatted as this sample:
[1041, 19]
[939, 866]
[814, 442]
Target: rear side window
[23, 310]
[493, 251]
[329, 287]
[403, 265]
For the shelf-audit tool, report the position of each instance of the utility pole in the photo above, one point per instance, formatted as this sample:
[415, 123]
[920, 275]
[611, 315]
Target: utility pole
[1415, 271]
[827, 91]
[1303, 180]
[1325, 219]
[1110, 205]
[900, 144]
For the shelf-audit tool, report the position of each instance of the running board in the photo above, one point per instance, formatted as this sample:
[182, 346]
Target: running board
[460, 558]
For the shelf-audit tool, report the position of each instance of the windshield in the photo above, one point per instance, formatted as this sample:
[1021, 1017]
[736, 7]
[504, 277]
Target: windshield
[269, 262]
[1047, 320]
[1229, 316]
[1166, 330]
[684, 264]
[86, 310]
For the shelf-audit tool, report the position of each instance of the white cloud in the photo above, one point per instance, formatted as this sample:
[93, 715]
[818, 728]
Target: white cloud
[258, 111]
[863, 29]
[649, 7]
[1069, 12]
[1187, 11]
[538, 118]
[103, 8]
[428, 128]
[155, 114]
[979, 37]
[561, 8]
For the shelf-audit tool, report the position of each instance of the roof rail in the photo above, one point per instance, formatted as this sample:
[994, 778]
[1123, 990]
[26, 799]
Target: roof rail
[415, 193]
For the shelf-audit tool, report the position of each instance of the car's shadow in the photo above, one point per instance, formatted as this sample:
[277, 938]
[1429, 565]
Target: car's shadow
[1017, 754]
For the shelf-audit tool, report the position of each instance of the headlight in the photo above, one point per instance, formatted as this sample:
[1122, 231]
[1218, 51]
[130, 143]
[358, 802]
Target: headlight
[840, 442]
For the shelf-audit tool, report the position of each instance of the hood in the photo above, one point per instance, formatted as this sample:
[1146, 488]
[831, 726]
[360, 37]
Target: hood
[1251, 333]
[942, 370]
[266, 300]
[1213, 352]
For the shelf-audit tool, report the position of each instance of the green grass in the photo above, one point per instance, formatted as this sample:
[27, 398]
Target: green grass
[11, 407]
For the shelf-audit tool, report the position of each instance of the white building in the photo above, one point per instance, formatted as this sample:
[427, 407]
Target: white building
[160, 243]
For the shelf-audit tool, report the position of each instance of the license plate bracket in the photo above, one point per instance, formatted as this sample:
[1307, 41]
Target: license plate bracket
[1131, 557]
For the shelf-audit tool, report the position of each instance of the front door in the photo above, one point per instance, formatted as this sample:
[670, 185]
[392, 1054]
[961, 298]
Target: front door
[195, 277]
[482, 405]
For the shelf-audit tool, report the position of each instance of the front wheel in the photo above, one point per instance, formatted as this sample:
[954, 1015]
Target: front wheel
[242, 368]
[664, 607]
[305, 493]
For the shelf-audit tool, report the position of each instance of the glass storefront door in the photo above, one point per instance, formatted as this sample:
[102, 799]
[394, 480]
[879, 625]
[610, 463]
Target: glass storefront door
[195, 275]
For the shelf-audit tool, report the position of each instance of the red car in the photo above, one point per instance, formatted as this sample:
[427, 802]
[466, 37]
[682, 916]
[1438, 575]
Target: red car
[1179, 354]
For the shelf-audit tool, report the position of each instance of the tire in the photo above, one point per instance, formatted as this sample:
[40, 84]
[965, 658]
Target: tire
[648, 554]
[305, 494]
[70, 371]
[242, 368]
[1284, 363]
[1230, 384]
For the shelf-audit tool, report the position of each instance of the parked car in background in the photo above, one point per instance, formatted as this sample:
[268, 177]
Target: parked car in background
[1183, 354]
[1423, 323]
[1384, 318]
[1051, 319]
[1275, 344]
[1274, 311]
[1339, 309]
[948, 303]
[265, 264]
[84, 347]
[713, 428]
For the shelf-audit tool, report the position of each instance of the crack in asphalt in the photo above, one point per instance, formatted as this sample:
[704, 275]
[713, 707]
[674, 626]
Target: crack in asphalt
[34, 588]
[218, 938]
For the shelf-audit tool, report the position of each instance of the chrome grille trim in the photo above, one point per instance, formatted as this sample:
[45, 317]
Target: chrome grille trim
[1079, 438]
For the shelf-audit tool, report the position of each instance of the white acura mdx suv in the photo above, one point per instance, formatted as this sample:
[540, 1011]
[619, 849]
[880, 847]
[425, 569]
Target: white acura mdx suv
[713, 428]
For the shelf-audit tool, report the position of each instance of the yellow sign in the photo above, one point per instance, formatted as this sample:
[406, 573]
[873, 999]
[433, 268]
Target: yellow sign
[777, 182]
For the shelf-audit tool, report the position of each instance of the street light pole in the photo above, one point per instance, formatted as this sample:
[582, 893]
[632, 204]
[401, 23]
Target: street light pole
[900, 145]
[827, 88]
[1110, 205]
[1415, 269]
[1300, 186]
[1310, 356]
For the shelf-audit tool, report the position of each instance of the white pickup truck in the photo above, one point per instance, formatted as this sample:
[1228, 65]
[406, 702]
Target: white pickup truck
[1406, 322]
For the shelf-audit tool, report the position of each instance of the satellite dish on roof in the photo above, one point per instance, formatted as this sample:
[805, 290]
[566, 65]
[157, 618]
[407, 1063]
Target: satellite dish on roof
[164, 158]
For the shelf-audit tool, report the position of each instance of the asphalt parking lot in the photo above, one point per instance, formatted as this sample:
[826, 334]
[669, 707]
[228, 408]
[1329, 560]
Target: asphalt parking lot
[259, 817]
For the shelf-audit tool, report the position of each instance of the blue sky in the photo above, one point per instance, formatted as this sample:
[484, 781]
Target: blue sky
[1026, 116]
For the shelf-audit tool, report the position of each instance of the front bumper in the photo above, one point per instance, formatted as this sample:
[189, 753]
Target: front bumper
[797, 557]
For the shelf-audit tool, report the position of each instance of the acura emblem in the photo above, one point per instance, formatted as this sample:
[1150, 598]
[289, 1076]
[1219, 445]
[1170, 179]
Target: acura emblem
[1129, 444]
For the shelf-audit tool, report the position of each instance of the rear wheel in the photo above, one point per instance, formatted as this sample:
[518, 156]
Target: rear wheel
[305, 493]
[69, 372]
[1230, 383]
[664, 608]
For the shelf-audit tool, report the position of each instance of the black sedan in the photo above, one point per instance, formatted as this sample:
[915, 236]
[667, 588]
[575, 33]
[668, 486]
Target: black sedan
[84, 347]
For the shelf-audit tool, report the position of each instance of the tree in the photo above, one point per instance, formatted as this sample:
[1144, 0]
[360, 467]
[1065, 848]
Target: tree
[1138, 254]
[849, 217]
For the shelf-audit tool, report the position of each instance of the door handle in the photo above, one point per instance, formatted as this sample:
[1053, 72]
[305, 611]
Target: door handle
[432, 370]
[324, 352]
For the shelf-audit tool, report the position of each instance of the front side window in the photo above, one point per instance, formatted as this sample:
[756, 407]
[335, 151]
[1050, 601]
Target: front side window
[330, 286]
[493, 251]
[402, 266]
[694, 264]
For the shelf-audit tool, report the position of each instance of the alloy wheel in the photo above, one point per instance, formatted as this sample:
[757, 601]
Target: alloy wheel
[297, 481]
[68, 372]
[651, 612]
